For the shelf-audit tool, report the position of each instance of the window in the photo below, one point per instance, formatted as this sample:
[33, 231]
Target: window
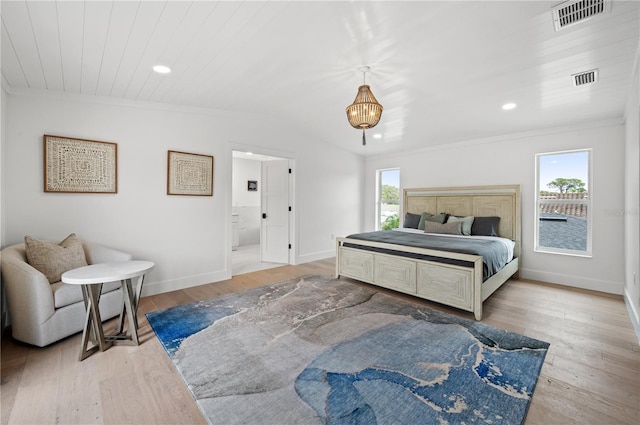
[563, 202]
[388, 199]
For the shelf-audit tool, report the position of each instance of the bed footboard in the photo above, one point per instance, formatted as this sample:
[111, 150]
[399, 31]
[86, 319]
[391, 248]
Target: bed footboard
[448, 284]
[452, 285]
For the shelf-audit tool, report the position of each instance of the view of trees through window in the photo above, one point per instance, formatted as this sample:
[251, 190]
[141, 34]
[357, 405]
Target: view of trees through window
[388, 199]
[563, 206]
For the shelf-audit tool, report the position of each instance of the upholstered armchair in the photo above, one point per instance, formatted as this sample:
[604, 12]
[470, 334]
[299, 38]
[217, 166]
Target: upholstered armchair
[42, 312]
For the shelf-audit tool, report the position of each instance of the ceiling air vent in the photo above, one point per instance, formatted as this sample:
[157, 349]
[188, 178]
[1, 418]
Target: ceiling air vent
[576, 11]
[584, 78]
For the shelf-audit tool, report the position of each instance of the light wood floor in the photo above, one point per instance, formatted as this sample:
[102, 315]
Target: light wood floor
[591, 374]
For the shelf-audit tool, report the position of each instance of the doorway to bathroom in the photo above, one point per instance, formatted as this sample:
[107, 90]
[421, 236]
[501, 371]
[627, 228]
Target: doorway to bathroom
[260, 214]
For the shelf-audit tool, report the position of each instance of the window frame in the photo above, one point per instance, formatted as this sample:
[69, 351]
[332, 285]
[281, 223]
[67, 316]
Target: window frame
[588, 202]
[378, 209]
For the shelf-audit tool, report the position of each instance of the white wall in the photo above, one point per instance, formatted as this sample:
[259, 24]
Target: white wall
[511, 160]
[4, 317]
[345, 199]
[187, 237]
[3, 109]
[243, 171]
[247, 203]
[631, 211]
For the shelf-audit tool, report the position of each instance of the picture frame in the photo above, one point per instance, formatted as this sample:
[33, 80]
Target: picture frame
[252, 185]
[79, 165]
[189, 174]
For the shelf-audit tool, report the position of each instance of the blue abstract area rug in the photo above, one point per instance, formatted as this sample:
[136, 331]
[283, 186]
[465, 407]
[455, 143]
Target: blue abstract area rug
[316, 350]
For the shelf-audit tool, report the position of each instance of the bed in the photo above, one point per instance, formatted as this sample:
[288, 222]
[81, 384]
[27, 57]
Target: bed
[441, 271]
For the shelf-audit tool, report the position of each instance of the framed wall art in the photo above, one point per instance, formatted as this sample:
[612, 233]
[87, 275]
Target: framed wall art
[80, 166]
[189, 174]
[252, 185]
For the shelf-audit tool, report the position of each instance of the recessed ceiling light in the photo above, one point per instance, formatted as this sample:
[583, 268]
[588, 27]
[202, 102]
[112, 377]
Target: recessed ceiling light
[249, 153]
[509, 106]
[377, 136]
[161, 69]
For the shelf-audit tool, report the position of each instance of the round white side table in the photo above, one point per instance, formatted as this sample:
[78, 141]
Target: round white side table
[91, 278]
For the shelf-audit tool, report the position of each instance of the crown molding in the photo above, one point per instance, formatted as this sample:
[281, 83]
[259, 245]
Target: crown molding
[505, 137]
[129, 103]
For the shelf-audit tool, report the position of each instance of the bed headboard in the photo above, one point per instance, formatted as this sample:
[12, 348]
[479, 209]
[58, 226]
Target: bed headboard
[481, 201]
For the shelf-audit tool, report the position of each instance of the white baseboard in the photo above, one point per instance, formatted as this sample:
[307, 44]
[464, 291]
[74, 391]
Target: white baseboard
[634, 314]
[153, 288]
[307, 258]
[575, 281]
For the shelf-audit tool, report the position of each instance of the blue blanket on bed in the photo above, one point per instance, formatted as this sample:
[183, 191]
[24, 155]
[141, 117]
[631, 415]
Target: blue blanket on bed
[494, 253]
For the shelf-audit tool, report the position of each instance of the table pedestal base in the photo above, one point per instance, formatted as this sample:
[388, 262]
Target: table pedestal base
[131, 299]
[92, 322]
[93, 330]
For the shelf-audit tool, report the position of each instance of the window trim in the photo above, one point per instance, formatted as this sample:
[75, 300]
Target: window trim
[588, 253]
[378, 196]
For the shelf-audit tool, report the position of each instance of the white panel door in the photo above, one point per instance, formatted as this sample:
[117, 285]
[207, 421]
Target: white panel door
[274, 229]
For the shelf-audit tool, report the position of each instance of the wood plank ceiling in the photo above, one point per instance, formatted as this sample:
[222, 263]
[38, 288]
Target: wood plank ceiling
[441, 69]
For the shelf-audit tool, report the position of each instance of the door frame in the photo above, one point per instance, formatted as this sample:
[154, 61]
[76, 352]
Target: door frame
[260, 150]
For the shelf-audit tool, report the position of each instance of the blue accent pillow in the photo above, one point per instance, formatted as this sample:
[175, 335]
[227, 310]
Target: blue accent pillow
[485, 226]
[411, 221]
[467, 222]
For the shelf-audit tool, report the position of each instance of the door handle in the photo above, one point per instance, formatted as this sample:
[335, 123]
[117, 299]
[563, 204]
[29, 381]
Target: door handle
[264, 215]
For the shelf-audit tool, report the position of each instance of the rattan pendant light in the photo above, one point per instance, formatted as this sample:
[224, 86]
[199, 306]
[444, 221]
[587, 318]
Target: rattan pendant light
[365, 111]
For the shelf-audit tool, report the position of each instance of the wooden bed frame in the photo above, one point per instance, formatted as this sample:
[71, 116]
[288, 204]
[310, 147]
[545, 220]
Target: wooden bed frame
[452, 285]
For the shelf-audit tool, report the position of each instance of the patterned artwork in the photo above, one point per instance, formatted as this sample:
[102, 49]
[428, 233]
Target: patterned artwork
[189, 174]
[79, 166]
